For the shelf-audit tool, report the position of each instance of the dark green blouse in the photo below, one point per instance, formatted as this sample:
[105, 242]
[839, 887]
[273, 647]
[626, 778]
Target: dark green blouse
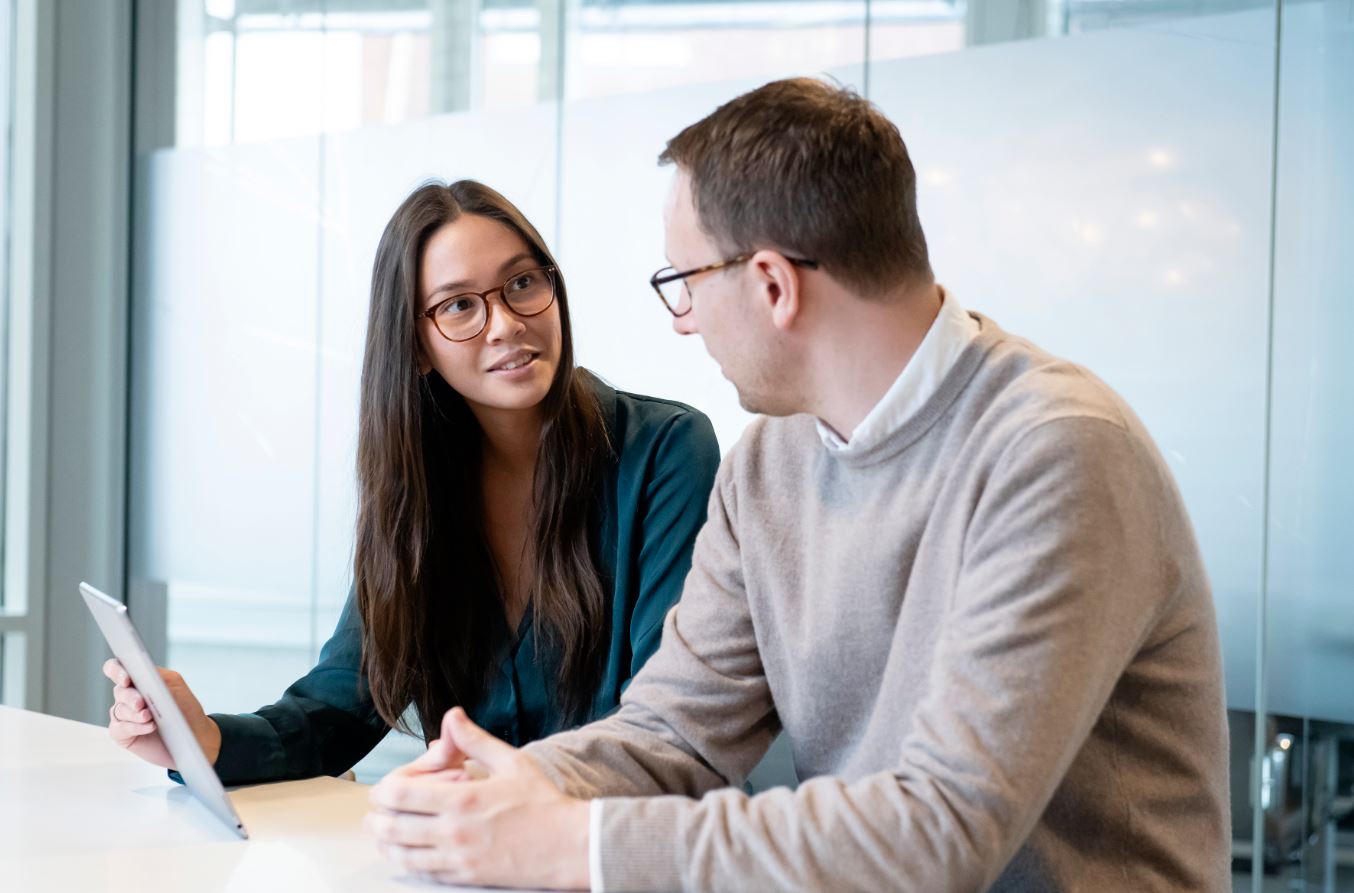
[654, 502]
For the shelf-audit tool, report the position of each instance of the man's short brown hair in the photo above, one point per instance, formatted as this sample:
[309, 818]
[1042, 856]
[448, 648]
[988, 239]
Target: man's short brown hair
[810, 168]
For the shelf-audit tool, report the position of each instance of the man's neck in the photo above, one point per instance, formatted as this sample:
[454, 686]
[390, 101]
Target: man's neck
[866, 352]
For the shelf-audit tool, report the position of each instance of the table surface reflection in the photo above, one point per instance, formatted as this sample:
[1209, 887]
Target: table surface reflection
[79, 813]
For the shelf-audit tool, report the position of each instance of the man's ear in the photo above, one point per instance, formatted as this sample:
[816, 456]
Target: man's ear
[778, 283]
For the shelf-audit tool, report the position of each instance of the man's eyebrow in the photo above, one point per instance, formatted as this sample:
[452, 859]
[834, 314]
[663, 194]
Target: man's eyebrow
[462, 285]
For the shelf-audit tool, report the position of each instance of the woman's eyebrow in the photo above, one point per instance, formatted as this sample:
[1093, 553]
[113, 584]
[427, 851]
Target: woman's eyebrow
[517, 259]
[464, 285]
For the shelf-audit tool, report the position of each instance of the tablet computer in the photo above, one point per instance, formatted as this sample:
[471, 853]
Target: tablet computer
[198, 774]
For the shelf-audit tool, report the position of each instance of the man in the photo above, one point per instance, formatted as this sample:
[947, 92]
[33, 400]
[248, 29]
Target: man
[951, 567]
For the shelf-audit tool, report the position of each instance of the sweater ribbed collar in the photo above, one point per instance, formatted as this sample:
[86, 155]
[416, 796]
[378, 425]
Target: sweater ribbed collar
[906, 431]
[949, 333]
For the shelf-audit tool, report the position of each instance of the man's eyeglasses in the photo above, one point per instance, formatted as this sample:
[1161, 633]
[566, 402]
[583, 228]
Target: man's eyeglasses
[462, 317]
[671, 285]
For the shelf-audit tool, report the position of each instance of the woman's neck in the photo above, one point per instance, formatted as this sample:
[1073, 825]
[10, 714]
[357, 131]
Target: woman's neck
[511, 439]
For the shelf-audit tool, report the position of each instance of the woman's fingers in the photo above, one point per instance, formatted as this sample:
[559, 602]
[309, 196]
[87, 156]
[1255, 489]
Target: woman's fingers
[132, 718]
[123, 731]
[128, 718]
[130, 700]
[114, 670]
[131, 710]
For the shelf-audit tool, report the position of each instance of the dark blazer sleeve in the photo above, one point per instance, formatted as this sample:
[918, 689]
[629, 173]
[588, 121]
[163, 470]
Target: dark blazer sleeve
[677, 492]
[322, 725]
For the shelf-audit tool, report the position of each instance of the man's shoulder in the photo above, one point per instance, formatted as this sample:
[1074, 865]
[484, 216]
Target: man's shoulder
[1034, 411]
[774, 447]
[1024, 386]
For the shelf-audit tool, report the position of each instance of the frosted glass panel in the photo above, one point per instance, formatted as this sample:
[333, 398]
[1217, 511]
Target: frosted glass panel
[222, 483]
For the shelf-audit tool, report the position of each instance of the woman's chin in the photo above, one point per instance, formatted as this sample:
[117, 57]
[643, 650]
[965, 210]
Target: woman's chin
[512, 392]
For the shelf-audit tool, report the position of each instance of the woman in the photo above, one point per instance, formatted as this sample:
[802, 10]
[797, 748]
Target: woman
[522, 527]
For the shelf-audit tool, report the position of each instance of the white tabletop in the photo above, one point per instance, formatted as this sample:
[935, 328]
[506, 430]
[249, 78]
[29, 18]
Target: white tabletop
[79, 813]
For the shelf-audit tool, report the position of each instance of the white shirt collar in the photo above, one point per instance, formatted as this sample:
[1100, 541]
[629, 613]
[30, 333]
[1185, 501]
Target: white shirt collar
[949, 334]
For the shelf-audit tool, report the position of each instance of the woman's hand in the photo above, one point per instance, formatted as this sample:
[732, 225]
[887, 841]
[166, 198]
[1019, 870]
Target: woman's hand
[132, 726]
[512, 827]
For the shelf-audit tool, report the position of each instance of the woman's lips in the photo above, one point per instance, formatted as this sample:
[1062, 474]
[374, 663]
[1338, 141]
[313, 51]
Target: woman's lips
[516, 363]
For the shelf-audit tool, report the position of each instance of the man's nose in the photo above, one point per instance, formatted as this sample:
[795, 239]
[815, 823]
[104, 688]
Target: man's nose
[685, 324]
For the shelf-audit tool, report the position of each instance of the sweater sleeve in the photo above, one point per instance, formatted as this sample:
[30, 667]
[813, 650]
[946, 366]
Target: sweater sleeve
[322, 725]
[1060, 582]
[698, 715]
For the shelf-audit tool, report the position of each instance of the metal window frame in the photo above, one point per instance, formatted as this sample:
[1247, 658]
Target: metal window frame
[27, 324]
[66, 384]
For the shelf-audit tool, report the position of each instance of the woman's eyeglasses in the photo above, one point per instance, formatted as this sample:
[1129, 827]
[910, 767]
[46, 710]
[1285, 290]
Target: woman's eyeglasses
[462, 317]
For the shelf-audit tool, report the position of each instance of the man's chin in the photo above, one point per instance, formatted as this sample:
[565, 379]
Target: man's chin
[754, 404]
[749, 402]
[757, 403]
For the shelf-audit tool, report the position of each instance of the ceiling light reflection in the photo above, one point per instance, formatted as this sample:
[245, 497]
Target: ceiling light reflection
[1161, 158]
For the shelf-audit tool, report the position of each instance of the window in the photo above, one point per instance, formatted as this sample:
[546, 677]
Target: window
[12, 619]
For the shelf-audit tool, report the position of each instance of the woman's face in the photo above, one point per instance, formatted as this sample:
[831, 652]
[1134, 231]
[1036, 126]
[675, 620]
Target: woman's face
[511, 363]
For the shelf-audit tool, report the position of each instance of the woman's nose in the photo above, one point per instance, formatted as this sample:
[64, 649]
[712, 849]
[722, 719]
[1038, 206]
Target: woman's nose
[503, 323]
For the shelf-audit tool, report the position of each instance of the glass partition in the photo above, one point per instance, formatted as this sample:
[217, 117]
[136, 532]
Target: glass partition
[1306, 796]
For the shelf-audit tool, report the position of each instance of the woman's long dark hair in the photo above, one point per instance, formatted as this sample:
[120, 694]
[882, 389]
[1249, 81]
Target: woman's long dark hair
[426, 585]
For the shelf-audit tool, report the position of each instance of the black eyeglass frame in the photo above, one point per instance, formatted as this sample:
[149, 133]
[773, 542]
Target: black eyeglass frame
[551, 273]
[660, 279]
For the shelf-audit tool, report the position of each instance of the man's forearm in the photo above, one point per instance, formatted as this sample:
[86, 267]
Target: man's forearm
[878, 833]
[618, 757]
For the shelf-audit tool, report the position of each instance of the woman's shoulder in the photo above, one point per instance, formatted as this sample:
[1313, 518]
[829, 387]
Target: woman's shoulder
[648, 410]
[643, 419]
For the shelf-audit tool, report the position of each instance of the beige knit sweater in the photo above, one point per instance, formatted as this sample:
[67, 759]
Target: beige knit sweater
[990, 641]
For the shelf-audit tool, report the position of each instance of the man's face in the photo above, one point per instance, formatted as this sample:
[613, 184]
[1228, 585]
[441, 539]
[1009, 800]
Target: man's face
[723, 305]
